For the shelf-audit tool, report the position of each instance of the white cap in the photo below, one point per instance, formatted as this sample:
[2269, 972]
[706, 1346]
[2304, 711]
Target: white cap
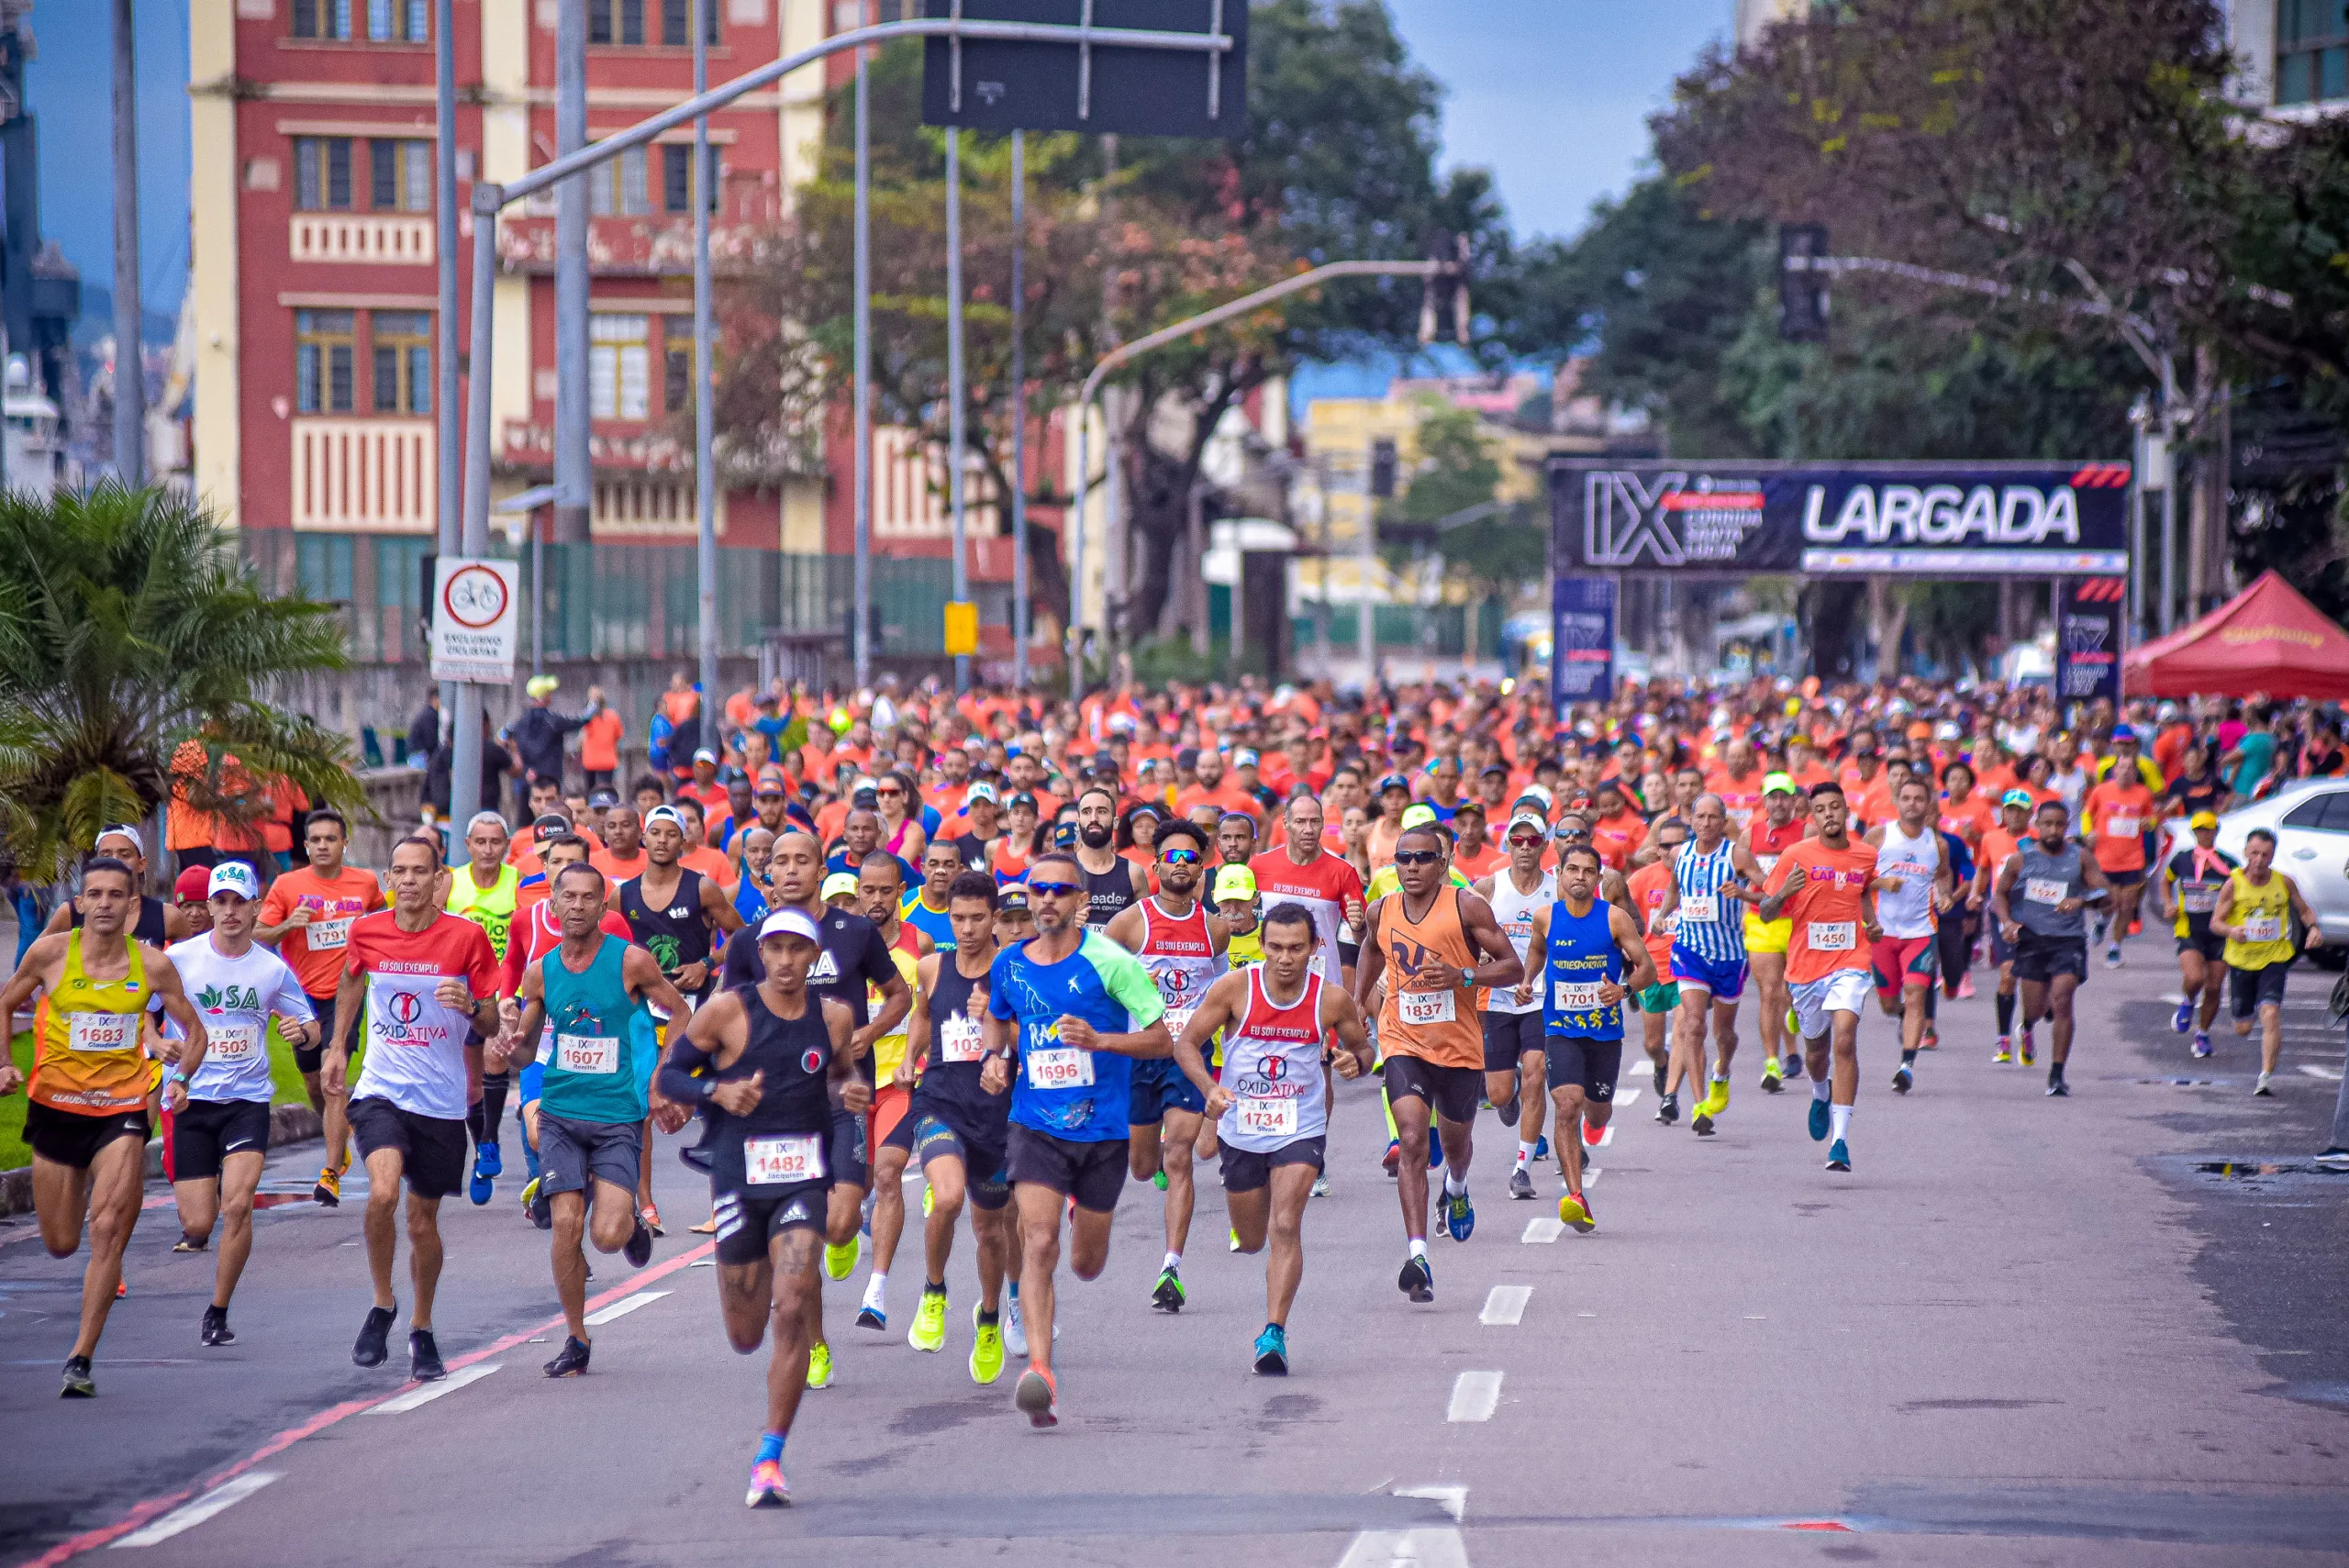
[123, 830]
[234, 877]
[1535, 791]
[1526, 819]
[790, 923]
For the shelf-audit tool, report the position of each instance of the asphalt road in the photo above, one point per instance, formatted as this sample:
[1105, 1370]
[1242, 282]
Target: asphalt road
[2106, 1330]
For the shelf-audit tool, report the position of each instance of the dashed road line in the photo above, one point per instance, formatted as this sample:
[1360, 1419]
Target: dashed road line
[1475, 1396]
[625, 1305]
[2330, 1074]
[1505, 1308]
[1406, 1548]
[188, 1515]
[1626, 1098]
[1539, 1231]
[423, 1393]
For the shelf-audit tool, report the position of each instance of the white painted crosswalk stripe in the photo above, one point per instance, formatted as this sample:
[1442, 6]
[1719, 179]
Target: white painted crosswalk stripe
[625, 1305]
[189, 1515]
[1505, 1307]
[1406, 1548]
[425, 1393]
[1475, 1396]
[1541, 1230]
[2330, 1074]
[1626, 1098]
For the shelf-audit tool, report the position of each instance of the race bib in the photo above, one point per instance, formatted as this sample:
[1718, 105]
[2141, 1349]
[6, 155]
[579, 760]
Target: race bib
[2045, 890]
[103, 1032]
[1177, 1020]
[328, 935]
[1703, 908]
[779, 1162]
[1062, 1067]
[1578, 996]
[232, 1042]
[2263, 928]
[2199, 900]
[1664, 923]
[1423, 1006]
[2121, 827]
[1271, 1118]
[1831, 936]
[593, 1053]
[960, 1040]
[1768, 862]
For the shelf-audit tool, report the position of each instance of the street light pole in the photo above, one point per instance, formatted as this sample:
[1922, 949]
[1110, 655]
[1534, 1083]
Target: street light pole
[954, 411]
[1019, 414]
[130, 371]
[703, 191]
[451, 439]
[574, 473]
[465, 746]
[864, 355]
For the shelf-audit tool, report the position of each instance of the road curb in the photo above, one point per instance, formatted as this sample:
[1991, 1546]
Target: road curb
[287, 1125]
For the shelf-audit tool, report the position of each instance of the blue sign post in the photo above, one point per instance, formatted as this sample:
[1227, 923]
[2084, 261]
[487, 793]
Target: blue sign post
[1582, 643]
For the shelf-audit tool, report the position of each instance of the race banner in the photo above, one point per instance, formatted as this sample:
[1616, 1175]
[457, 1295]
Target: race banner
[1582, 644]
[2089, 615]
[1737, 519]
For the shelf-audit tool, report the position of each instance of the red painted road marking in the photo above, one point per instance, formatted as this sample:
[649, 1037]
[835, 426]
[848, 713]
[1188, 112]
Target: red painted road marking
[1817, 1524]
[153, 1507]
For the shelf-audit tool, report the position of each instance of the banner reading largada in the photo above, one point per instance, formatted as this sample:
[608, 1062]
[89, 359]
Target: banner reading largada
[1942, 520]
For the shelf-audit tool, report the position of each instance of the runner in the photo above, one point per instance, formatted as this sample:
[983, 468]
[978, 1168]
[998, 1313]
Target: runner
[957, 1128]
[1826, 885]
[880, 894]
[1442, 943]
[87, 1117]
[486, 891]
[426, 980]
[1778, 827]
[1713, 878]
[592, 1103]
[925, 907]
[1593, 957]
[220, 1136]
[1182, 947]
[770, 1064]
[1270, 1107]
[2000, 843]
[1518, 891]
[2038, 898]
[2184, 894]
[1069, 1012]
[156, 924]
[1304, 872]
[306, 916]
[2255, 913]
[1651, 888]
[538, 930]
[2114, 818]
[1913, 885]
[1112, 883]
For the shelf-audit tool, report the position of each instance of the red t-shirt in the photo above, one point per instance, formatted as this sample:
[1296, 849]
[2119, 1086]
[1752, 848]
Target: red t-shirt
[536, 932]
[1327, 885]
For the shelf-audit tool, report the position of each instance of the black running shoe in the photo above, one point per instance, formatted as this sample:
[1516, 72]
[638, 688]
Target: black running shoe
[215, 1327]
[569, 1361]
[374, 1337]
[639, 1250]
[1659, 1080]
[696, 1156]
[1417, 1280]
[1508, 1113]
[424, 1357]
[78, 1382]
[1702, 1126]
[1667, 1110]
[866, 1318]
[1902, 1079]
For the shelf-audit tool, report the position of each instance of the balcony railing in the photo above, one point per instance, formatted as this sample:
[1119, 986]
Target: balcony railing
[361, 237]
[375, 476]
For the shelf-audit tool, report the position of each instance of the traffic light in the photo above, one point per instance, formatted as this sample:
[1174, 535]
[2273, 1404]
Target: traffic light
[1449, 253]
[1802, 287]
[1381, 470]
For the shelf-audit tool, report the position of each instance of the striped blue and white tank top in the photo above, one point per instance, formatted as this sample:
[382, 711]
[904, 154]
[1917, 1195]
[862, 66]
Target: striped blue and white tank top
[1712, 925]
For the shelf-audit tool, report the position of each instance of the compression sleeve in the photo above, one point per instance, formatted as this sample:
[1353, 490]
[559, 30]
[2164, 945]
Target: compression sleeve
[677, 1069]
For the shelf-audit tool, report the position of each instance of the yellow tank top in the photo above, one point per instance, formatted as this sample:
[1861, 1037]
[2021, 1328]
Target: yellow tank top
[86, 1054]
[491, 907]
[2264, 914]
[890, 1049]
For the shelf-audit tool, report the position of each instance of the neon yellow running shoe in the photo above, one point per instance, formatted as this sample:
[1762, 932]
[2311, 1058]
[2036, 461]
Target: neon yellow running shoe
[1716, 1098]
[986, 1352]
[840, 1261]
[929, 1332]
[1574, 1210]
[819, 1365]
[929, 1200]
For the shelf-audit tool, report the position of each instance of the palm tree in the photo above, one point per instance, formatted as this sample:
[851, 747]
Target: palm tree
[128, 629]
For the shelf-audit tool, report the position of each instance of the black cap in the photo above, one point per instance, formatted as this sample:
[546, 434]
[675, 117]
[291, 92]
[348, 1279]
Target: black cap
[602, 800]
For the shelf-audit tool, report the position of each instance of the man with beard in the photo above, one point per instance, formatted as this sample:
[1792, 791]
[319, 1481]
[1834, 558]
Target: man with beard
[1112, 883]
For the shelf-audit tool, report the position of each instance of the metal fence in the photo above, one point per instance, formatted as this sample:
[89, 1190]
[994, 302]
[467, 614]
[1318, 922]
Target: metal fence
[606, 601]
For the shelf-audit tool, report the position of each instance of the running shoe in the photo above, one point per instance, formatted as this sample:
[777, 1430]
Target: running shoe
[2112, 956]
[2057, 1089]
[1591, 1135]
[1508, 1113]
[2264, 1089]
[1393, 1158]
[1015, 1331]
[536, 1206]
[1159, 1180]
[649, 1218]
[480, 1188]
[2334, 1159]
[328, 1190]
[819, 1365]
[987, 1349]
[569, 1361]
[929, 1200]
[1659, 1077]
[1038, 1397]
[373, 1337]
[490, 1158]
[1965, 987]
[2183, 1019]
[1902, 1079]
[1818, 1120]
[216, 1330]
[871, 1317]
[1772, 1081]
[2029, 1052]
[2201, 1043]
[1541, 1147]
[79, 1385]
[1931, 1040]
[1520, 1182]
[1235, 1240]
[1717, 1096]
[929, 1332]
[1701, 1124]
[1417, 1278]
[1574, 1208]
[424, 1357]
[638, 1249]
[1167, 1296]
[2005, 1055]
[187, 1243]
[768, 1488]
[1435, 1148]
[1839, 1156]
[1459, 1215]
[1272, 1351]
[840, 1261]
[1320, 1186]
[2103, 925]
[1667, 1109]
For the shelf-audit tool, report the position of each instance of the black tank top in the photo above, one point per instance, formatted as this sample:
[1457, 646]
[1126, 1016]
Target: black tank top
[795, 1054]
[1109, 894]
[957, 1013]
[676, 934]
[149, 928]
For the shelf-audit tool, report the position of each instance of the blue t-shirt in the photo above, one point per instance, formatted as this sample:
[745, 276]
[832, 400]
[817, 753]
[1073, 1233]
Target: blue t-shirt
[931, 923]
[2258, 748]
[1081, 1095]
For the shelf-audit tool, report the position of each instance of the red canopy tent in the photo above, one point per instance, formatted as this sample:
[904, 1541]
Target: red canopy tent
[2266, 640]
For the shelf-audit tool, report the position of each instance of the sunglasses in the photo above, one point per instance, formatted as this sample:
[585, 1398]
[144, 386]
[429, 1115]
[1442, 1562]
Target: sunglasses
[1180, 857]
[1418, 856]
[1052, 889]
[888, 791]
[1574, 832]
[1524, 841]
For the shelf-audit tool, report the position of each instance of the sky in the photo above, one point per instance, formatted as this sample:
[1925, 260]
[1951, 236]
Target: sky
[1553, 95]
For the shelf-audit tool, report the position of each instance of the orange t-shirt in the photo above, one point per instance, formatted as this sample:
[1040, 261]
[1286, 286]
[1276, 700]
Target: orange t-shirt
[1998, 846]
[1968, 818]
[1648, 886]
[618, 868]
[1424, 959]
[1481, 863]
[2120, 813]
[599, 742]
[1618, 839]
[1826, 935]
[315, 952]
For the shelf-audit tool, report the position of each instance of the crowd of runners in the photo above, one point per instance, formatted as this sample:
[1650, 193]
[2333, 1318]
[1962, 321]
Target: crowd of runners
[1036, 950]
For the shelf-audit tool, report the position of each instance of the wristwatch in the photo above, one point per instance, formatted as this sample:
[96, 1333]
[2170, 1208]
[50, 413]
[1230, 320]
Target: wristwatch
[1468, 977]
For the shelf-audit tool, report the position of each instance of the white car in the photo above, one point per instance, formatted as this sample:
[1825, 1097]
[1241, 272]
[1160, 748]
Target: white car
[2311, 820]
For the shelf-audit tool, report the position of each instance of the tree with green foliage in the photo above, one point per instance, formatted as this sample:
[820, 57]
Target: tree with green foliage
[129, 629]
[1451, 508]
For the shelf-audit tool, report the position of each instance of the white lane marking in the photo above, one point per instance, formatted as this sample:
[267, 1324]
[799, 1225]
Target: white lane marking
[624, 1305]
[1626, 1098]
[1506, 1306]
[1455, 1498]
[1590, 1174]
[2330, 1074]
[187, 1515]
[1406, 1548]
[426, 1393]
[703, 1263]
[1475, 1396]
[1542, 1231]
